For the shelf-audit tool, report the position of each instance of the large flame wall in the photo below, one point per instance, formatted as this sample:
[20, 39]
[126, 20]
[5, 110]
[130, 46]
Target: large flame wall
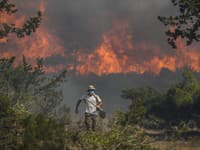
[116, 53]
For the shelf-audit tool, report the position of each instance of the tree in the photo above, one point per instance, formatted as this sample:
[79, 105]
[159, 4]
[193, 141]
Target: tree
[29, 26]
[189, 83]
[136, 113]
[28, 98]
[142, 100]
[42, 133]
[149, 108]
[179, 97]
[146, 94]
[182, 94]
[186, 25]
[30, 86]
[10, 127]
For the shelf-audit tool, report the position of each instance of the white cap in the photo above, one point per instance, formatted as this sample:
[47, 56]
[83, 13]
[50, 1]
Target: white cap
[91, 87]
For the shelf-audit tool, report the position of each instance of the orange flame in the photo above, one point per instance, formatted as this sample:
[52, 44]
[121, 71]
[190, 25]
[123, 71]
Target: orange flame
[41, 44]
[116, 53]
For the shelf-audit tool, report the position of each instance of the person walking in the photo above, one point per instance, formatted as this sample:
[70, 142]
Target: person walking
[93, 104]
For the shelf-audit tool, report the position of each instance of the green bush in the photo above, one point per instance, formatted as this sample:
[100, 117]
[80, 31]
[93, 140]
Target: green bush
[181, 102]
[117, 138]
[42, 133]
[136, 112]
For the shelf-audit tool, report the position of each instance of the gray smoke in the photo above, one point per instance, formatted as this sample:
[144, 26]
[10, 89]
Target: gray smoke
[109, 87]
[80, 25]
[82, 22]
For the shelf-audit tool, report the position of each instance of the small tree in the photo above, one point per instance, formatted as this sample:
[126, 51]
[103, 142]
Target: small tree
[186, 25]
[29, 85]
[142, 100]
[136, 112]
[29, 26]
[28, 98]
[146, 95]
[182, 94]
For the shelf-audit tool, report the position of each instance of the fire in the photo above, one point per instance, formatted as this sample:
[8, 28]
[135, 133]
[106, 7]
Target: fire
[41, 44]
[117, 53]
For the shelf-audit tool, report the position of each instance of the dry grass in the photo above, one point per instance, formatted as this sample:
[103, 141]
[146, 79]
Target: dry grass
[193, 144]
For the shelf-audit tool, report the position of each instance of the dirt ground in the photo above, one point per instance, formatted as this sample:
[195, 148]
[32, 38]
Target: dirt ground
[190, 140]
[178, 145]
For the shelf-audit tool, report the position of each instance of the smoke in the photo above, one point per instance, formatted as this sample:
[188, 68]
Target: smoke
[100, 37]
[82, 23]
[113, 39]
[109, 87]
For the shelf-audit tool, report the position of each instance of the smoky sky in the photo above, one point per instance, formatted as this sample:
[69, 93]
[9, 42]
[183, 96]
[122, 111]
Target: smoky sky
[81, 23]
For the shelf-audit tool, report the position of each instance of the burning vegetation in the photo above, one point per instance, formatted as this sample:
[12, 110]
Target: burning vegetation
[117, 53]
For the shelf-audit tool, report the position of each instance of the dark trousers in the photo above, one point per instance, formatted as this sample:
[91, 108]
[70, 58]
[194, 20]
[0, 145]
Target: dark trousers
[90, 121]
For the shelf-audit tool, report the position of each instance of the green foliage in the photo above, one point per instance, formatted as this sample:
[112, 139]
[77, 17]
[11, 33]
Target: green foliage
[142, 100]
[179, 97]
[11, 129]
[186, 25]
[5, 107]
[152, 122]
[42, 133]
[119, 118]
[149, 108]
[22, 130]
[30, 86]
[136, 112]
[30, 119]
[183, 93]
[143, 93]
[29, 100]
[190, 83]
[5, 5]
[29, 26]
[147, 95]
[63, 115]
[20, 111]
[29, 96]
[134, 115]
[117, 138]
